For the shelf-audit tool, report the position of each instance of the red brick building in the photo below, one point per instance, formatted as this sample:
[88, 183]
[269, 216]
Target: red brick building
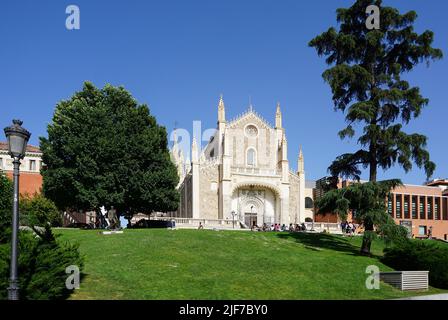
[423, 209]
[30, 178]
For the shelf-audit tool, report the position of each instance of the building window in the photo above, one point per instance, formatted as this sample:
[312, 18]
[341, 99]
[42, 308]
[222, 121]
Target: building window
[429, 208]
[251, 161]
[445, 208]
[398, 206]
[212, 153]
[437, 209]
[1, 163]
[422, 208]
[414, 207]
[390, 204]
[32, 165]
[406, 207]
[309, 203]
[251, 131]
[422, 230]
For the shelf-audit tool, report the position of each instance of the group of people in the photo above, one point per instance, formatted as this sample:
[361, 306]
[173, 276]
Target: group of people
[277, 227]
[348, 228]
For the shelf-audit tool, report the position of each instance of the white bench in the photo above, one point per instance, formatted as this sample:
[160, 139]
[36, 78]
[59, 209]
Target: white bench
[406, 280]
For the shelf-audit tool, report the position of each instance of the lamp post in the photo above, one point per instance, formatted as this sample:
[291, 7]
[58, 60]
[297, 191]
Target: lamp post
[17, 138]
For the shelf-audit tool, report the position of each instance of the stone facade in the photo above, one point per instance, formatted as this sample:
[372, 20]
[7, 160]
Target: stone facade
[243, 173]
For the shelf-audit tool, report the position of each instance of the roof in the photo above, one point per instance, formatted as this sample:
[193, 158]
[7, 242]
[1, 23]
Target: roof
[437, 182]
[249, 113]
[29, 148]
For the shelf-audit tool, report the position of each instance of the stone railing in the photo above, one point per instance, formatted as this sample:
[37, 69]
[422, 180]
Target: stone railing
[255, 171]
[195, 222]
[321, 226]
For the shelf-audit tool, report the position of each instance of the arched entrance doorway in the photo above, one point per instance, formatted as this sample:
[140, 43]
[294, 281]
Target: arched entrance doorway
[255, 205]
[252, 210]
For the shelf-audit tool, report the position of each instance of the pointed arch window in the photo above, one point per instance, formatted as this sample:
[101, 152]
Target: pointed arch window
[251, 158]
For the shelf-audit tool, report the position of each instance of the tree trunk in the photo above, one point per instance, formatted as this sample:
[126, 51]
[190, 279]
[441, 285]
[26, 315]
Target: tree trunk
[372, 176]
[365, 247]
[373, 163]
[366, 240]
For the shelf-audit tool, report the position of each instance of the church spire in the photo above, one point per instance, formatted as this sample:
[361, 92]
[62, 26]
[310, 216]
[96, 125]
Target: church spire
[278, 117]
[300, 162]
[174, 152]
[221, 110]
[194, 151]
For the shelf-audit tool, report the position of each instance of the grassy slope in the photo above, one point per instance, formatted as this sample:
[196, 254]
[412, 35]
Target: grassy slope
[192, 264]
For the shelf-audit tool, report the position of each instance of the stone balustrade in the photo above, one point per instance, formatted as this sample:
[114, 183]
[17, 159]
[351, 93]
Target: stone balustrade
[255, 171]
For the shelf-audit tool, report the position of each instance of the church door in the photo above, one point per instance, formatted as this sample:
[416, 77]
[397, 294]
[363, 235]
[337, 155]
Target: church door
[250, 219]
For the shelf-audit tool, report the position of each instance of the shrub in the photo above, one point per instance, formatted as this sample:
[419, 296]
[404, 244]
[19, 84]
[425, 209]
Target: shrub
[39, 211]
[420, 255]
[5, 207]
[42, 265]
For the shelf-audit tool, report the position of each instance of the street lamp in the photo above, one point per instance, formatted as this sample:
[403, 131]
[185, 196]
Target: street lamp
[17, 138]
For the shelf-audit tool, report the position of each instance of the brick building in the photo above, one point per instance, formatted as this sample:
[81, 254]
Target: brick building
[30, 178]
[423, 209]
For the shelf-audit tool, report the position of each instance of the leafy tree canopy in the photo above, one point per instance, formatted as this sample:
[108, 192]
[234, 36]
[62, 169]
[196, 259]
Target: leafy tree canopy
[103, 148]
[367, 85]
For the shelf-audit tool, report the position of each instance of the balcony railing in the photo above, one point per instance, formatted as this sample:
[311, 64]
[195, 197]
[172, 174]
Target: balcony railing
[255, 171]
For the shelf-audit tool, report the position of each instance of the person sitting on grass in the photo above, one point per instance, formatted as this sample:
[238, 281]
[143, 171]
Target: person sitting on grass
[200, 226]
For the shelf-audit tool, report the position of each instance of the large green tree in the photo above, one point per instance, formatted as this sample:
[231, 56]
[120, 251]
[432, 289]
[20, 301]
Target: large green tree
[367, 86]
[365, 76]
[104, 149]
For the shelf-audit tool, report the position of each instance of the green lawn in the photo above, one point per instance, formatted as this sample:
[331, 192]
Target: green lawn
[206, 264]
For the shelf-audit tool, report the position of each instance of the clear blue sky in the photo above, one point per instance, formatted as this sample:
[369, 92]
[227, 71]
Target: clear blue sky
[178, 56]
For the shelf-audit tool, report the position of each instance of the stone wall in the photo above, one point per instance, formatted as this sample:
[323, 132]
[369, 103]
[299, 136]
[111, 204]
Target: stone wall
[264, 142]
[185, 192]
[293, 198]
[208, 186]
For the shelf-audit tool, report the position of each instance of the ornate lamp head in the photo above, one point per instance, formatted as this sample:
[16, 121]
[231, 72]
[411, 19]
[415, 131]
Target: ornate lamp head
[17, 138]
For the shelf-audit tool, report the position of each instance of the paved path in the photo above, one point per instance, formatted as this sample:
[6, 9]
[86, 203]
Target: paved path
[442, 296]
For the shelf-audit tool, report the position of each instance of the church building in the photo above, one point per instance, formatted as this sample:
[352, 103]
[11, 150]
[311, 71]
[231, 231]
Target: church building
[243, 174]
